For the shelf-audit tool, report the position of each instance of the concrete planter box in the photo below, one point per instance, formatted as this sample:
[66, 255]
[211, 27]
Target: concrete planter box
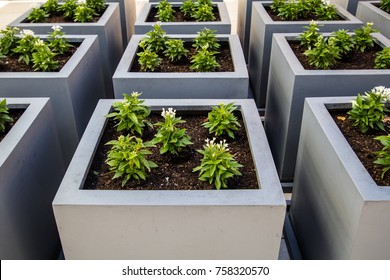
[74, 90]
[31, 169]
[370, 12]
[171, 224]
[349, 5]
[192, 85]
[128, 15]
[289, 84]
[108, 29]
[222, 26]
[262, 29]
[338, 211]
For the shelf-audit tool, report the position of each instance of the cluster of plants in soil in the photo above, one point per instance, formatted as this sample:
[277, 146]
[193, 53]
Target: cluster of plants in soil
[144, 150]
[300, 10]
[163, 54]
[28, 52]
[68, 11]
[366, 127]
[340, 50]
[7, 118]
[199, 10]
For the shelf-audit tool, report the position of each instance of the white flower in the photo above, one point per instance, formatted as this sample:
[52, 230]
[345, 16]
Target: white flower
[82, 2]
[135, 94]
[27, 32]
[56, 28]
[313, 22]
[381, 90]
[39, 43]
[370, 23]
[36, 6]
[170, 112]
[326, 2]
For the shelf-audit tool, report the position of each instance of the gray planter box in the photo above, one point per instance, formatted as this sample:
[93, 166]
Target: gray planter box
[31, 170]
[370, 12]
[174, 224]
[338, 211]
[289, 84]
[349, 5]
[127, 11]
[192, 85]
[108, 29]
[262, 29]
[74, 90]
[223, 26]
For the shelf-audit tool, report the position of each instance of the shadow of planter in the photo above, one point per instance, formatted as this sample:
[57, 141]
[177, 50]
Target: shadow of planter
[108, 29]
[370, 12]
[222, 26]
[128, 15]
[74, 90]
[191, 84]
[166, 224]
[31, 169]
[289, 84]
[338, 211]
[349, 5]
[262, 29]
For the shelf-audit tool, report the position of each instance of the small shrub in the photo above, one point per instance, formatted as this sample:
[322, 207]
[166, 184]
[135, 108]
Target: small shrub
[37, 14]
[385, 5]
[188, 8]
[204, 61]
[362, 37]
[43, 57]
[4, 115]
[83, 13]
[51, 6]
[309, 37]
[25, 45]
[155, 39]
[326, 11]
[324, 54]
[382, 59]
[57, 42]
[148, 60]
[206, 38]
[165, 11]
[68, 8]
[97, 5]
[175, 49]
[342, 40]
[221, 120]
[204, 12]
[289, 10]
[8, 40]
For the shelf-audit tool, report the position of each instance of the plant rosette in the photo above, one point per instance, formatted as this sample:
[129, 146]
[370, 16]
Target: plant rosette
[285, 97]
[108, 29]
[221, 26]
[259, 212]
[336, 198]
[371, 11]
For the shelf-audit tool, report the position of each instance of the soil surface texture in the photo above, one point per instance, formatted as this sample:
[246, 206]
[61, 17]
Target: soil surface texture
[15, 114]
[178, 15]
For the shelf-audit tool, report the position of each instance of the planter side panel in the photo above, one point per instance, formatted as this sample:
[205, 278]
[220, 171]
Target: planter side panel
[349, 5]
[367, 12]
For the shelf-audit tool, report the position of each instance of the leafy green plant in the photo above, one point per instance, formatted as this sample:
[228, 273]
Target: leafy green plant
[206, 38]
[326, 11]
[188, 8]
[382, 59]
[221, 120]
[289, 10]
[309, 37]
[204, 12]
[368, 111]
[296, 9]
[97, 5]
[342, 40]
[217, 164]
[385, 5]
[276, 4]
[362, 37]
[173, 139]
[25, 45]
[8, 40]
[324, 54]
[175, 49]
[204, 60]
[51, 6]
[4, 115]
[148, 60]
[57, 42]
[383, 156]
[43, 57]
[127, 158]
[165, 11]
[68, 8]
[155, 39]
[131, 114]
[37, 14]
[83, 13]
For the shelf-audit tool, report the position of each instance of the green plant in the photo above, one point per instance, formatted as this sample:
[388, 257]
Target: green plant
[188, 8]
[127, 158]
[57, 42]
[43, 57]
[148, 60]
[206, 38]
[383, 156]
[217, 164]
[204, 60]
[155, 39]
[342, 40]
[8, 40]
[324, 54]
[173, 139]
[326, 11]
[25, 45]
[165, 11]
[309, 37]
[4, 115]
[97, 5]
[382, 59]
[385, 5]
[362, 37]
[368, 111]
[51, 6]
[276, 4]
[83, 13]
[175, 49]
[68, 8]
[221, 120]
[289, 10]
[37, 14]
[204, 12]
[130, 114]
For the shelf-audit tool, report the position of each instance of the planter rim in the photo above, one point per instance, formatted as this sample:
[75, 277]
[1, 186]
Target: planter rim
[101, 22]
[86, 42]
[370, 5]
[269, 193]
[347, 16]
[283, 38]
[357, 172]
[129, 55]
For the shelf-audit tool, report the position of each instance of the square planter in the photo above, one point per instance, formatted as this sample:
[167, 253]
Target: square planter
[31, 170]
[128, 15]
[338, 211]
[262, 29]
[108, 29]
[191, 84]
[171, 224]
[222, 26]
[349, 5]
[370, 12]
[289, 84]
[74, 90]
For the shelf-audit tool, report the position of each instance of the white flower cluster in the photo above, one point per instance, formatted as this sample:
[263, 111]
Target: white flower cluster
[39, 43]
[27, 32]
[82, 2]
[326, 2]
[135, 94]
[36, 6]
[57, 28]
[170, 112]
[222, 145]
[384, 92]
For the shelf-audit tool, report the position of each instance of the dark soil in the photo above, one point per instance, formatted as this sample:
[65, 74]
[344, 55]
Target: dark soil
[174, 172]
[223, 58]
[355, 60]
[178, 15]
[12, 64]
[274, 16]
[15, 114]
[364, 145]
